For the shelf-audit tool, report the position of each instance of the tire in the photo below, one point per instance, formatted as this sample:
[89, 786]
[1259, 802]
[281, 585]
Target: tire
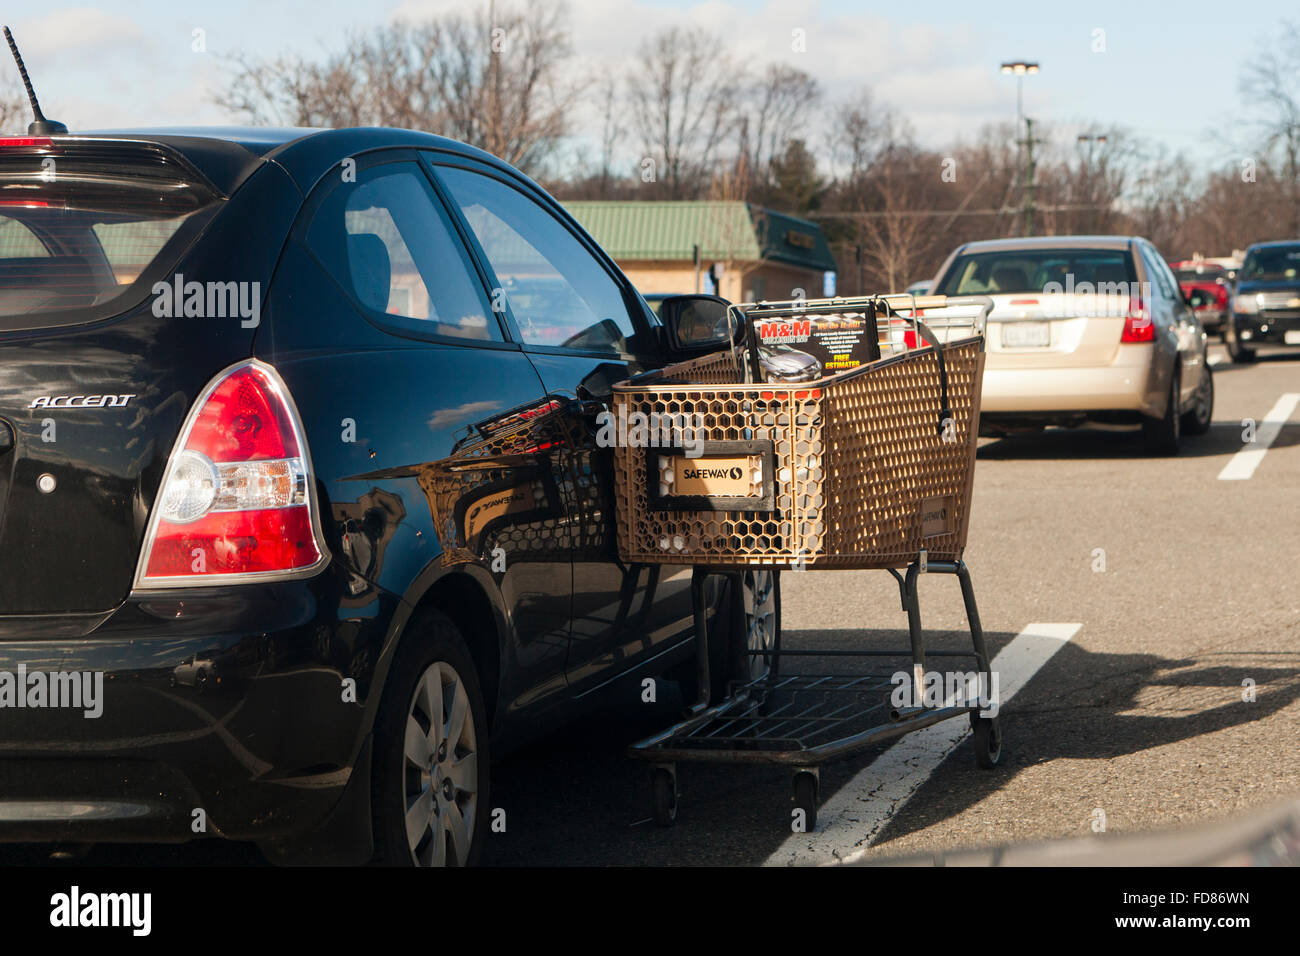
[1197, 421]
[1239, 354]
[736, 633]
[663, 796]
[759, 620]
[988, 742]
[421, 774]
[805, 798]
[1161, 435]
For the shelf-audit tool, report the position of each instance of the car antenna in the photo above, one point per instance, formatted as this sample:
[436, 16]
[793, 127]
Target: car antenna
[39, 126]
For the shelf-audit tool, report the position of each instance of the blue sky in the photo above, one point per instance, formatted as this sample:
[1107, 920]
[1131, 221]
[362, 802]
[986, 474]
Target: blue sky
[1171, 76]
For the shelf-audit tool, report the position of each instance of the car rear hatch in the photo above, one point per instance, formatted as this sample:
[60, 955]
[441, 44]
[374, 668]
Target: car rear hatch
[1052, 308]
[99, 359]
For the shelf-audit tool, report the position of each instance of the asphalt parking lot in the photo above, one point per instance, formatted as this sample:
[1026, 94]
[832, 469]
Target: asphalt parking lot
[1135, 596]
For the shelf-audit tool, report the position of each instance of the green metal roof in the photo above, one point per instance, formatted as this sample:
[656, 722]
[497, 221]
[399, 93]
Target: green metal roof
[729, 230]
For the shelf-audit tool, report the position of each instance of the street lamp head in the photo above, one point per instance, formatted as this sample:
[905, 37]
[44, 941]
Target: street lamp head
[1020, 67]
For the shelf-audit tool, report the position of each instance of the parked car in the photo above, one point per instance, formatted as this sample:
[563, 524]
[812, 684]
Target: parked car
[1085, 328]
[1265, 300]
[919, 288]
[1210, 279]
[201, 672]
[321, 403]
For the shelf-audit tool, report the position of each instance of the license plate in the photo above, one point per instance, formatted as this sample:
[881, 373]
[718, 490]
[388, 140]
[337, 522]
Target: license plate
[1292, 337]
[1023, 335]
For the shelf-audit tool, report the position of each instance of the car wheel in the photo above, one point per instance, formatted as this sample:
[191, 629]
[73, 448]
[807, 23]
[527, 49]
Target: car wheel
[760, 618]
[749, 619]
[1161, 434]
[1236, 351]
[430, 780]
[1197, 421]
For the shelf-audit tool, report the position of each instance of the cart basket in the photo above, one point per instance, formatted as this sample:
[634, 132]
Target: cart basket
[865, 469]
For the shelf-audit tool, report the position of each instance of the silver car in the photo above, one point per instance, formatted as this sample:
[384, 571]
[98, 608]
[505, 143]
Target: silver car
[1085, 329]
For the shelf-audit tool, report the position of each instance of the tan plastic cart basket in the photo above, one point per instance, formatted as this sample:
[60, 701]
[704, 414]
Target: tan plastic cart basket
[849, 471]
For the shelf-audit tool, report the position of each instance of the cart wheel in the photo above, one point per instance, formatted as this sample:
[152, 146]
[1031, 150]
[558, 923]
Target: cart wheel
[805, 798]
[988, 742]
[663, 789]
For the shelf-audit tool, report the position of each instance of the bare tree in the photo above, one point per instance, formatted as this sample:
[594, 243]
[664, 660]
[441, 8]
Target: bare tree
[683, 106]
[494, 81]
[14, 109]
[1270, 86]
[780, 103]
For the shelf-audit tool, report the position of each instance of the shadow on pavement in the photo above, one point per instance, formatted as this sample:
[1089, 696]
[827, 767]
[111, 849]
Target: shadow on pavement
[1223, 439]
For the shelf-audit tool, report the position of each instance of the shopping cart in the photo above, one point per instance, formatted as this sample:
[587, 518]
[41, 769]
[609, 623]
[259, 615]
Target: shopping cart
[866, 469]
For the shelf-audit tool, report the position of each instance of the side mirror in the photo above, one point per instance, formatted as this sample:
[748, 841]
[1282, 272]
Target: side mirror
[695, 324]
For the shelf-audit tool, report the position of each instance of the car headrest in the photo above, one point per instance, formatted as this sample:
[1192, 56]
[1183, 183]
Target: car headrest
[372, 272]
[1009, 279]
[1110, 273]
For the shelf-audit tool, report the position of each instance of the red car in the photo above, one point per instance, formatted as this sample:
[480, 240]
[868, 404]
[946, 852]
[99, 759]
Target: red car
[1209, 279]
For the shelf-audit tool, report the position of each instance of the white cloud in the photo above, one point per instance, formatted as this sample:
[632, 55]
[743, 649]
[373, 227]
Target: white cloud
[72, 29]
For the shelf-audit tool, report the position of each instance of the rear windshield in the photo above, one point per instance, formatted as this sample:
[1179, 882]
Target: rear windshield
[994, 273]
[85, 230]
[1275, 262]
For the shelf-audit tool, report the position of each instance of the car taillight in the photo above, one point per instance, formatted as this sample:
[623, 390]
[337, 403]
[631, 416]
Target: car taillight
[236, 502]
[26, 142]
[1138, 326]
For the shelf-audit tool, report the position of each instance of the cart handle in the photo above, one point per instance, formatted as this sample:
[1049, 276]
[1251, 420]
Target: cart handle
[945, 413]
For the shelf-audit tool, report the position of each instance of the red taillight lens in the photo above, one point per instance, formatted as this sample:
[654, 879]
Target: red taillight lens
[243, 420]
[25, 142]
[236, 498]
[1138, 326]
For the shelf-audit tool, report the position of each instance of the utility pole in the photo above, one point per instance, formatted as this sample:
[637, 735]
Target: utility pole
[1027, 208]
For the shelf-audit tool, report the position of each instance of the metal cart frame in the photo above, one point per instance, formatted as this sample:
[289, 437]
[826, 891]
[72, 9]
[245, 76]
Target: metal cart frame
[803, 720]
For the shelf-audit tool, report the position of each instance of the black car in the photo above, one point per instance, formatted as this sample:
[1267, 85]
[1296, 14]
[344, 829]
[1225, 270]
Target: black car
[319, 405]
[1265, 304]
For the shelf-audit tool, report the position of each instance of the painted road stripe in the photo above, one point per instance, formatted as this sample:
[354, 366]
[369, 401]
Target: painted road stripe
[1243, 464]
[850, 821]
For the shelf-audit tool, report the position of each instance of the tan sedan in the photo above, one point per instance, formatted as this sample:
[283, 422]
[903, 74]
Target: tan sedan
[1085, 329]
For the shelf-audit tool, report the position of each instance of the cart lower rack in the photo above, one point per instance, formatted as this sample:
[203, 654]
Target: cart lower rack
[801, 720]
[871, 468]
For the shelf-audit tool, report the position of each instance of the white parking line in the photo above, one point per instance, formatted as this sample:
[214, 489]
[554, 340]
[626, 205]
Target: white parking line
[1243, 464]
[850, 820]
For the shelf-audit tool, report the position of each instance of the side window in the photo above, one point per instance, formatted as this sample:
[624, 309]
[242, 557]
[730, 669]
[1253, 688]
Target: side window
[1175, 289]
[385, 240]
[1156, 273]
[559, 294]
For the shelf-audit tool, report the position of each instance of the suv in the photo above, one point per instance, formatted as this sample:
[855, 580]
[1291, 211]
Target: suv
[318, 405]
[1265, 307]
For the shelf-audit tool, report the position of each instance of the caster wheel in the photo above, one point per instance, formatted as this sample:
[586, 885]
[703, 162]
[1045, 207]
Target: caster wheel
[988, 742]
[663, 790]
[805, 798]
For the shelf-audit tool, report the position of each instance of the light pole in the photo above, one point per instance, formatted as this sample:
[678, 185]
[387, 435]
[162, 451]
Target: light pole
[1091, 141]
[1021, 68]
